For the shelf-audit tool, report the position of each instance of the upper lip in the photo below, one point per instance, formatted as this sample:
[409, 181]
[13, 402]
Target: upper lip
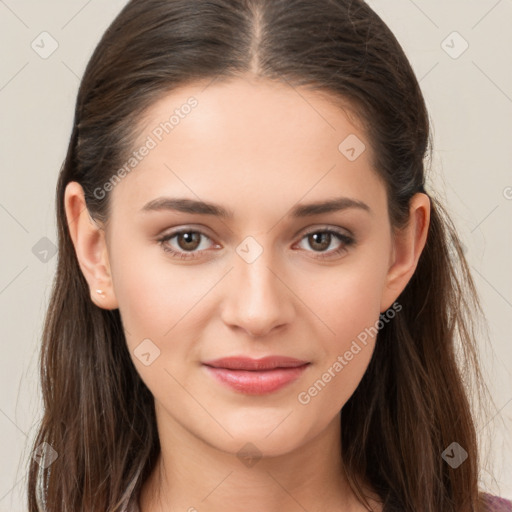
[247, 363]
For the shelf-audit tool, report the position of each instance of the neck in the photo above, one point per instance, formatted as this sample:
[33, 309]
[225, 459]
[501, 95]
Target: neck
[192, 475]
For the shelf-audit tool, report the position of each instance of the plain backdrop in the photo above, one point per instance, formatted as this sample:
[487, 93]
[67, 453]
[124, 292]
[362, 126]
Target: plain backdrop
[460, 51]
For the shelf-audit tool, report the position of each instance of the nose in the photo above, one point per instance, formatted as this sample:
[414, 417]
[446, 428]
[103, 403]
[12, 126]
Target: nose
[258, 299]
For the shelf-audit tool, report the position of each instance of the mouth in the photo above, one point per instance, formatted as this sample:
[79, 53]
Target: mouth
[256, 376]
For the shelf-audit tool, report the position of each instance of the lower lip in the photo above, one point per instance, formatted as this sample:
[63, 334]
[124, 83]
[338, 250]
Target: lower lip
[257, 382]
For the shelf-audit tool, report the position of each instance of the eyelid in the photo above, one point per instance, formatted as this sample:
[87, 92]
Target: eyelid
[347, 239]
[184, 255]
[303, 231]
[326, 227]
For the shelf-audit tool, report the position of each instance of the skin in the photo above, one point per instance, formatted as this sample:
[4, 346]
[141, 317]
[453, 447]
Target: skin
[257, 148]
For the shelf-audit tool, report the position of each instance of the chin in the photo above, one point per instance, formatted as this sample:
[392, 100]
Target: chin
[252, 441]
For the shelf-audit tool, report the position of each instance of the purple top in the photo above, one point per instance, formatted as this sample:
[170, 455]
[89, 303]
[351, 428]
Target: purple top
[495, 504]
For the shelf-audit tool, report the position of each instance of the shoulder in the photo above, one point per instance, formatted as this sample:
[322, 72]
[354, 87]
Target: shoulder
[496, 504]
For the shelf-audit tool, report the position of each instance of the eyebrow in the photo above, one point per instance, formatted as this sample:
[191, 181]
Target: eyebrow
[205, 208]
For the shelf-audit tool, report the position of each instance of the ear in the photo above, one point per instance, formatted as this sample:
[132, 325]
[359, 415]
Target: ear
[90, 247]
[408, 245]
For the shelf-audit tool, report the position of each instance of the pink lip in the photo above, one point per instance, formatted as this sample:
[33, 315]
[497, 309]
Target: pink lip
[256, 376]
[247, 363]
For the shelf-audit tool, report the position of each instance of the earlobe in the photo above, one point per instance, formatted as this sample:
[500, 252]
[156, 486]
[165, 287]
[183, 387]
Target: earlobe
[90, 247]
[409, 243]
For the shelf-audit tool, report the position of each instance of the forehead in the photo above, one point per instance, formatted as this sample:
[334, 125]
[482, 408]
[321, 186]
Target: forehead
[255, 140]
[250, 110]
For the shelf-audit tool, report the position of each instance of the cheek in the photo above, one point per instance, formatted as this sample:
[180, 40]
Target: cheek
[348, 304]
[153, 294]
[347, 300]
[156, 304]
[163, 309]
[350, 314]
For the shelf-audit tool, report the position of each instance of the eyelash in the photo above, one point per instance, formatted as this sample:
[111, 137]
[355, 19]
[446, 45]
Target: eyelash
[347, 242]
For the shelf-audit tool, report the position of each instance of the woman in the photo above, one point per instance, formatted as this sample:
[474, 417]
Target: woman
[258, 303]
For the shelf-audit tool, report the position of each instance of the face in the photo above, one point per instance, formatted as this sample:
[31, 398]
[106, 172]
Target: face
[269, 278]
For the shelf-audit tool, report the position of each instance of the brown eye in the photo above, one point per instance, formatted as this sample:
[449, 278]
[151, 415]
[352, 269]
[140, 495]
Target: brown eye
[187, 243]
[321, 240]
[190, 240]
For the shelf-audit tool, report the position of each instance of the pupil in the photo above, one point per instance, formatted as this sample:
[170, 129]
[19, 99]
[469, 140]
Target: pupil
[189, 239]
[326, 243]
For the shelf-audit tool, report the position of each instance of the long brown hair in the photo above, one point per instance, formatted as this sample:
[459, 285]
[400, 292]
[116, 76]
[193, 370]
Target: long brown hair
[415, 397]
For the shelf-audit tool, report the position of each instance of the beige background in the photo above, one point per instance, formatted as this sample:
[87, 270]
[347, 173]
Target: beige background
[470, 101]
